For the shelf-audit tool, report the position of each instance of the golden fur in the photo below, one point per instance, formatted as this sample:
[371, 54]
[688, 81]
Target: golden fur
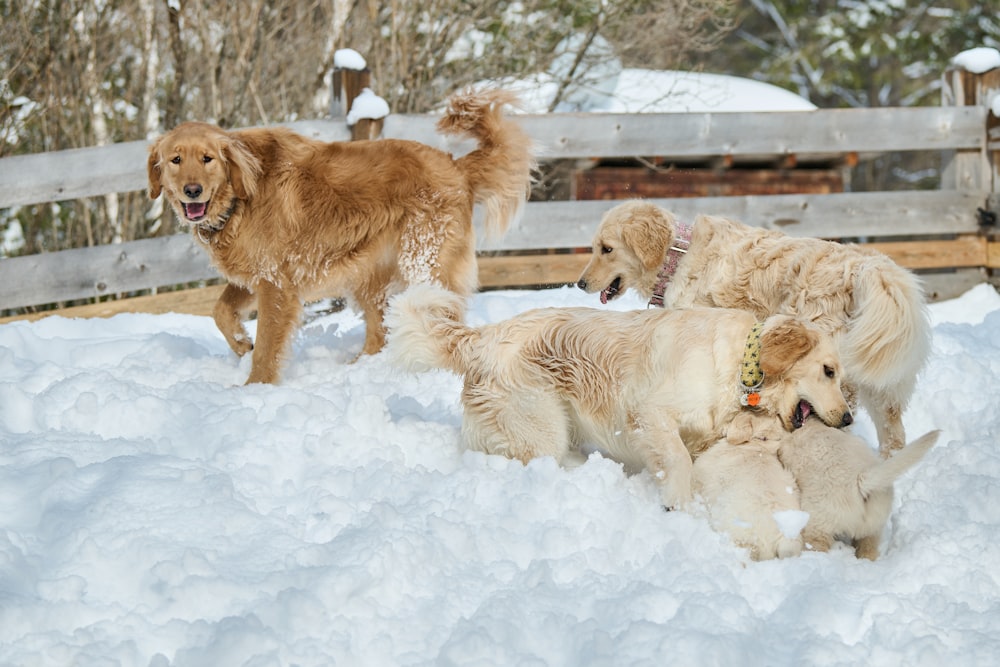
[649, 388]
[873, 307]
[746, 490]
[846, 488]
[288, 219]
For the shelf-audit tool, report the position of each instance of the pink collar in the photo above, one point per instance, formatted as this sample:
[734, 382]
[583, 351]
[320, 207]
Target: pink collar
[682, 241]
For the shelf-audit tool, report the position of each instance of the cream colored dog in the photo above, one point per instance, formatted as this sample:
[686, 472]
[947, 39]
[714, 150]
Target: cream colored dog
[644, 386]
[746, 490]
[844, 486]
[873, 307]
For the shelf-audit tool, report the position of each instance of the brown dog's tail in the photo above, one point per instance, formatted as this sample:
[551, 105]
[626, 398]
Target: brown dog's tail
[425, 330]
[499, 171]
[883, 475]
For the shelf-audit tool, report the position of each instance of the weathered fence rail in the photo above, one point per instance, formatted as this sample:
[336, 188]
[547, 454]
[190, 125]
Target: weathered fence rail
[940, 230]
[88, 172]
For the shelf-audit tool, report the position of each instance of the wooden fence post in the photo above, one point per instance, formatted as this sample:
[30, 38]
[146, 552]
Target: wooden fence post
[975, 170]
[347, 85]
[978, 170]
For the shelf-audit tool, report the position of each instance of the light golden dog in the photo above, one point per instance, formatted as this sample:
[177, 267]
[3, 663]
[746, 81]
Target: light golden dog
[648, 388]
[873, 307]
[846, 488]
[747, 492]
[287, 219]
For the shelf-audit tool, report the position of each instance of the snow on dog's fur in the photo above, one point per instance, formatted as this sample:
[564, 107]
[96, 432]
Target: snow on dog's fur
[747, 492]
[287, 219]
[871, 305]
[650, 388]
[846, 488]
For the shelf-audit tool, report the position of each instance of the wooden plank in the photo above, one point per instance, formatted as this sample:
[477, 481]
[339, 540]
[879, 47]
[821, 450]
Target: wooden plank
[565, 268]
[951, 284]
[87, 172]
[993, 255]
[529, 270]
[198, 301]
[515, 271]
[88, 273]
[824, 131]
[571, 224]
[964, 252]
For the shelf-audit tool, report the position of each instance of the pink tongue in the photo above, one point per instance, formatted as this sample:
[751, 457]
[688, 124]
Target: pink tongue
[604, 296]
[195, 210]
[805, 410]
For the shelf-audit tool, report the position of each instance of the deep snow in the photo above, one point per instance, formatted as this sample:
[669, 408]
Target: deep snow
[153, 512]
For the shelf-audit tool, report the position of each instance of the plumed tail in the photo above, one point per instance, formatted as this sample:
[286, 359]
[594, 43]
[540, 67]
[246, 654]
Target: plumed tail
[889, 337]
[500, 170]
[883, 475]
[425, 330]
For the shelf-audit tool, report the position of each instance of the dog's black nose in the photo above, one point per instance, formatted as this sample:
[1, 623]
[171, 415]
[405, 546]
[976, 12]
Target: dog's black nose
[581, 283]
[847, 419]
[192, 190]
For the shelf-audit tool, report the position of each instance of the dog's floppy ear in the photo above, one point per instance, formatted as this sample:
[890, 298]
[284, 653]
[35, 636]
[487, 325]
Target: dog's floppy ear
[740, 430]
[648, 230]
[153, 169]
[783, 344]
[244, 168]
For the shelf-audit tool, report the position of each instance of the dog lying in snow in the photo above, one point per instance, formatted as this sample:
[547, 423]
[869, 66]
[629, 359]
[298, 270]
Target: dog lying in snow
[844, 485]
[747, 492]
[873, 307]
[649, 388]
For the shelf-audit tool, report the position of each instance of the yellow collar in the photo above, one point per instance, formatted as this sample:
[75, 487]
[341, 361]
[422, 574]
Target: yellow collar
[751, 376]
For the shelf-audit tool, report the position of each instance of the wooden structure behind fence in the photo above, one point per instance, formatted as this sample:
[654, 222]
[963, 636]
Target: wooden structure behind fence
[949, 234]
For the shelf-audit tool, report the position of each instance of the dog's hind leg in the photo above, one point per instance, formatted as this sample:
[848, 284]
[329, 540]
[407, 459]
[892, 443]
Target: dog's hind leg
[524, 426]
[867, 547]
[657, 439]
[887, 413]
[278, 314]
[232, 308]
[814, 540]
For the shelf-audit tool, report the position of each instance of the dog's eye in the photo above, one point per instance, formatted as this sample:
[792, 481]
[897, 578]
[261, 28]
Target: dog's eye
[605, 249]
[829, 372]
[206, 159]
[176, 159]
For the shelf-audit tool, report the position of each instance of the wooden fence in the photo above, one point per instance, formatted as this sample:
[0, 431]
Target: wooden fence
[947, 234]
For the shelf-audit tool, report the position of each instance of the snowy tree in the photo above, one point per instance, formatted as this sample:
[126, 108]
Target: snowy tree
[856, 53]
[89, 72]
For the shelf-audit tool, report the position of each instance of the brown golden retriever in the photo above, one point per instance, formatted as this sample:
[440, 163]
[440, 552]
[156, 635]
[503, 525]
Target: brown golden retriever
[650, 388]
[288, 219]
[874, 308]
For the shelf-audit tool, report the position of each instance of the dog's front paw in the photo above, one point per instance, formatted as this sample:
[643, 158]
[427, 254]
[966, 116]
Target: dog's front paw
[675, 500]
[241, 343]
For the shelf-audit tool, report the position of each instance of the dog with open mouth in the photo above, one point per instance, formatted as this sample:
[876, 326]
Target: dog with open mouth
[874, 308]
[650, 388]
[288, 219]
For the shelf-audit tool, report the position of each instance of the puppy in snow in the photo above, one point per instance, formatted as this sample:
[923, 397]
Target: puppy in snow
[846, 488]
[747, 492]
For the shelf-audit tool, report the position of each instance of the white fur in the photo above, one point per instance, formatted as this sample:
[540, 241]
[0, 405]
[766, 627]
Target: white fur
[746, 489]
[844, 485]
[874, 307]
[648, 387]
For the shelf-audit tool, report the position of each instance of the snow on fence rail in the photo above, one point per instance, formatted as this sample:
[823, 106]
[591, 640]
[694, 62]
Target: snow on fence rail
[945, 230]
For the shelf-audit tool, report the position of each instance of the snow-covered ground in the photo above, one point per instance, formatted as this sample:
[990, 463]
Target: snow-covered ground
[154, 512]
